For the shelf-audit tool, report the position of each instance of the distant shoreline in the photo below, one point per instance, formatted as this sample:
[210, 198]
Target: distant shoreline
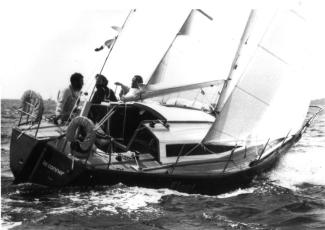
[48, 99]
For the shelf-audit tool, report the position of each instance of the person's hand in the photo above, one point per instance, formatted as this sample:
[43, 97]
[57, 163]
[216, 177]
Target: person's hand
[118, 83]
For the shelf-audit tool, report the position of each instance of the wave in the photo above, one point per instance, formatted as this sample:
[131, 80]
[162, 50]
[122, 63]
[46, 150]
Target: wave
[298, 167]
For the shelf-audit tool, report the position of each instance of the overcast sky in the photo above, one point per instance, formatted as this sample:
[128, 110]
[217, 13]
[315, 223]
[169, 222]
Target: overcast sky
[42, 44]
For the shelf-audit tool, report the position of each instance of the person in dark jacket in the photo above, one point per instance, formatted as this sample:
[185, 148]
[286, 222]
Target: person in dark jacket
[103, 93]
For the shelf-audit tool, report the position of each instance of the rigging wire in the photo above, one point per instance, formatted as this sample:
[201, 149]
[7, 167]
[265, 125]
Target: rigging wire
[110, 50]
[186, 154]
[178, 156]
[124, 122]
[112, 46]
[197, 95]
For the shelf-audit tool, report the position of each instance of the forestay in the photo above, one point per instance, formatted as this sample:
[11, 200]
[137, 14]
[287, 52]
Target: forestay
[146, 36]
[268, 100]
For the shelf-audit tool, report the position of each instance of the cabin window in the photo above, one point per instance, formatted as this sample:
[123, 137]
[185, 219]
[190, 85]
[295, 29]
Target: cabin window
[172, 150]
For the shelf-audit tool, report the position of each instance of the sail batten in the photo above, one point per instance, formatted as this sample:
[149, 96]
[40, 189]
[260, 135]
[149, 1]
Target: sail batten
[252, 95]
[271, 53]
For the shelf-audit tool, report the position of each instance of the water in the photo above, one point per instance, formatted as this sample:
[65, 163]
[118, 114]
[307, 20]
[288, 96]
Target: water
[292, 196]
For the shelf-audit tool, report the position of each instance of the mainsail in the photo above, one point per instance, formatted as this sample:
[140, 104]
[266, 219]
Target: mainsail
[193, 68]
[268, 100]
[182, 65]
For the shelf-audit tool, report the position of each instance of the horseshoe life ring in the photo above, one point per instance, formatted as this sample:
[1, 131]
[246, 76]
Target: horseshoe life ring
[32, 103]
[82, 135]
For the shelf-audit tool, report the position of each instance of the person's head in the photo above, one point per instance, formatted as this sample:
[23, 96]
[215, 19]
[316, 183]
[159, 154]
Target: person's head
[77, 81]
[136, 81]
[101, 80]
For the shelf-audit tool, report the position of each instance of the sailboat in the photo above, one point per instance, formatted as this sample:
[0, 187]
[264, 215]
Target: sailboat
[188, 128]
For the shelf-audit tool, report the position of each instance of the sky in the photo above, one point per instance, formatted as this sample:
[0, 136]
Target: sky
[43, 43]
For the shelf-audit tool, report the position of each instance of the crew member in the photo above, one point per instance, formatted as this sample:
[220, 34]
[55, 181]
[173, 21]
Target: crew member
[68, 98]
[103, 93]
[136, 86]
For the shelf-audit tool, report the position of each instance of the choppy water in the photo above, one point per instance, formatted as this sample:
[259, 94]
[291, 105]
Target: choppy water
[292, 196]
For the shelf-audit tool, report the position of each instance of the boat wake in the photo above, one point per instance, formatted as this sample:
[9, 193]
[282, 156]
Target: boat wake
[41, 204]
[237, 192]
[298, 167]
[304, 163]
[118, 199]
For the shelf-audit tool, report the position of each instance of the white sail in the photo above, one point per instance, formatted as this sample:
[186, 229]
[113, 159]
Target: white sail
[142, 42]
[269, 100]
[183, 62]
[234, 75]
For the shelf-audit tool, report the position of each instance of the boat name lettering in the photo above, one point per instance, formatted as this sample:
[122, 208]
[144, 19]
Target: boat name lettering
[52, 168]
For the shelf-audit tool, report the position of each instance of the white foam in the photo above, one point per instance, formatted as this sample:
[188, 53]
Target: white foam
[61, 210]
[9, 225]
[237, 192]
[132, 198]
[125, 199]
[299, 167]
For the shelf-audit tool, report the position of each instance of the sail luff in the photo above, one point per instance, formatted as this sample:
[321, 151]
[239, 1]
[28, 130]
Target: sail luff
[152, 79]
[180, 64]
[231, 81]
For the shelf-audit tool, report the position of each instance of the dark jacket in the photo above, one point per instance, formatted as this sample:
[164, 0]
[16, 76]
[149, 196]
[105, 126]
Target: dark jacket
[103, 93]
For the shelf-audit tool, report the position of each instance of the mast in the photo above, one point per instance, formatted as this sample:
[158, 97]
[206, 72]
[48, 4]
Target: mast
[230, 82]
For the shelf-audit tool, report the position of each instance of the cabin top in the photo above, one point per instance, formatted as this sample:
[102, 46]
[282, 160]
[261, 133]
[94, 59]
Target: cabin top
[176, 114]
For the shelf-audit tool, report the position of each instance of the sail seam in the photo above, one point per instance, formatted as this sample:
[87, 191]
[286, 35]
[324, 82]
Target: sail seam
[252, 95]
[298, 15]
[273, 54]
